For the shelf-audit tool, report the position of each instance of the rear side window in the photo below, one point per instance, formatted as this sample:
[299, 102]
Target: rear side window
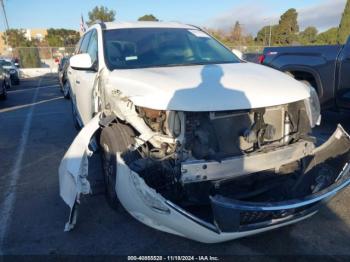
[85, 43]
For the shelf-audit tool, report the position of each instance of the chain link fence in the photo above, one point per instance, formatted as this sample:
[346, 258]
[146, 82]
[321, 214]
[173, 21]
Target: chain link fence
[38, 57]
[248, 49]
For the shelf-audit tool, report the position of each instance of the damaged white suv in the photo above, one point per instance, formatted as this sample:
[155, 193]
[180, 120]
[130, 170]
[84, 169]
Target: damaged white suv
[195, 141]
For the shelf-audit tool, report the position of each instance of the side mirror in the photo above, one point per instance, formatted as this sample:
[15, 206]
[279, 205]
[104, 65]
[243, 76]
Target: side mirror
[238, 53]
[17, 65]
[81, 62]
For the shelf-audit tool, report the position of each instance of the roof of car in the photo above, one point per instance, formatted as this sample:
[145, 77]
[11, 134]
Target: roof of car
[146, 24]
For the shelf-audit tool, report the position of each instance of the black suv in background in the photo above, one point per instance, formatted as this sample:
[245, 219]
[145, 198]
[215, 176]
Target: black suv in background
[10, 67]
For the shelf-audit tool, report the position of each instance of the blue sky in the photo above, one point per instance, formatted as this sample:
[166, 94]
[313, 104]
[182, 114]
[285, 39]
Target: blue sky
[218, 14]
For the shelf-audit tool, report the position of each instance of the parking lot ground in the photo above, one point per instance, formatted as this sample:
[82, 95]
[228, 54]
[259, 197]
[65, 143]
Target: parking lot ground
[36, 128]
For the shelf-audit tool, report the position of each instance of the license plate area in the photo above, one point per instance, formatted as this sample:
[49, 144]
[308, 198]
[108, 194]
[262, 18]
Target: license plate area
[325, 173]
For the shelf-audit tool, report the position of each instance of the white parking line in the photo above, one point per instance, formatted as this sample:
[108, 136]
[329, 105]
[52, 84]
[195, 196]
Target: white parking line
[29, 89]
[10, 195]
[28, 105]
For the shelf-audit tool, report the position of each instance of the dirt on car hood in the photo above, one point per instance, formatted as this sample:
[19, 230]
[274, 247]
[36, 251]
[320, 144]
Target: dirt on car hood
[216, 87]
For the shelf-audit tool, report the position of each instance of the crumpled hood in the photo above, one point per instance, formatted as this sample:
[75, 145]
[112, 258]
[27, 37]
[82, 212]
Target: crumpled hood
[207, 87]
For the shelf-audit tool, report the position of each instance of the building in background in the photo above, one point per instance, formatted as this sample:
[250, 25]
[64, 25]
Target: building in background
[35, 34]
[2, 43]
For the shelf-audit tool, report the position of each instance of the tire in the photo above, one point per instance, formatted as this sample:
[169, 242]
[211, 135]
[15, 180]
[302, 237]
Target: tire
[65, 90]
[114, 138]
[14, 81]
[3, 96]
[9, 84]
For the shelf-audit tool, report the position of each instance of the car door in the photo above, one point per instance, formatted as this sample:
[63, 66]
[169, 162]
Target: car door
[85, 80]
[2, 77]
[71, 72]
[343, 90]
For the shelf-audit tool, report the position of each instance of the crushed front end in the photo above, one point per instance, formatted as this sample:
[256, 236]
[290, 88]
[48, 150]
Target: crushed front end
[217, 176]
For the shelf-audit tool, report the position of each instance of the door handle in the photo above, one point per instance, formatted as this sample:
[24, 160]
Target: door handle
[77, 82]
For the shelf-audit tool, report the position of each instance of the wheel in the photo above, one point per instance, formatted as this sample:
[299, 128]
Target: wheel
[3, 96]
[77, 124]
[115, 138]
[65, 89]
[14, 81]
[9, 84]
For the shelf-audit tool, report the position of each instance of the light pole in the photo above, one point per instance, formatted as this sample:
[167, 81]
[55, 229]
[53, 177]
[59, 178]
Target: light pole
[6, 23]
[270, 25]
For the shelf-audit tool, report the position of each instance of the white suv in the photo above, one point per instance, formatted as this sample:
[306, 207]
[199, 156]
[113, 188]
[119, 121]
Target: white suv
[194, 140]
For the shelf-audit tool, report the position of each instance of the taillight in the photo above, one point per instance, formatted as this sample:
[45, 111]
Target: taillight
[261, 59]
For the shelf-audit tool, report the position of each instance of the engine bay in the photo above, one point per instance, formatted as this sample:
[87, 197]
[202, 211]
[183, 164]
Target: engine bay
[212, 149]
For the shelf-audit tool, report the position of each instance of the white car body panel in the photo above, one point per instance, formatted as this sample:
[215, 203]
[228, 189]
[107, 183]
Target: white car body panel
[207, 88]
[194, 88]
[146, 24]
[73, 169]
[173, 222]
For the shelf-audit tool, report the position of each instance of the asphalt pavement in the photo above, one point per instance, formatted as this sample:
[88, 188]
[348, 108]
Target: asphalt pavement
[36, 128]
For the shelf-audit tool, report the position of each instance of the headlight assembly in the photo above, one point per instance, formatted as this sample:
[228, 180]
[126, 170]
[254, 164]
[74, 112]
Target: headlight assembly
[313, 107]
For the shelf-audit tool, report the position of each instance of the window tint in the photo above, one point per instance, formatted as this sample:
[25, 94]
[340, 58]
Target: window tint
[85, 43]
[92, 49]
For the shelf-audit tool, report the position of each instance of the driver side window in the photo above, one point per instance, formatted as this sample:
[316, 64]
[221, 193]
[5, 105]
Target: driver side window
[84, 43]
[93, 48]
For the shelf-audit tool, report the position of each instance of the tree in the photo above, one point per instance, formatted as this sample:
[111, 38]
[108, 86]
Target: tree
[263, 36]
[102, 14]
[344, 27]
[236, 33]
[287, 27]
[149, 17]
[328, 37]
[62, 37]
[29, 57]
[308, 36]
[16, 38]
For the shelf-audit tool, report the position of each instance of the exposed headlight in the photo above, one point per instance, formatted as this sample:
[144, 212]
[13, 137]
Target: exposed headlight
[166, 122]
[12, 71]
[313, 107]
[150, 198]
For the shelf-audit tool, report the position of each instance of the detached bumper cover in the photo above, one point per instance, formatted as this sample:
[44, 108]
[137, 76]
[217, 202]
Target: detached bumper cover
[233, 215]
[73, 170]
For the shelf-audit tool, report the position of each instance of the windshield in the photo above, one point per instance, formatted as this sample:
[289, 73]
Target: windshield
[157, 47]
[5, 63]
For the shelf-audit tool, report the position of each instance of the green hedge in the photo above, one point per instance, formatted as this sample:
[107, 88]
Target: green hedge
[29, 58]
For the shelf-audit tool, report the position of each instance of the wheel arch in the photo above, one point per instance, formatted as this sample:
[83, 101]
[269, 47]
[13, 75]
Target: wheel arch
[308, 74]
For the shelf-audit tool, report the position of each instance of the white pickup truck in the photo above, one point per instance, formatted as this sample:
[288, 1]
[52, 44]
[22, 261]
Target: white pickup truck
[194, 140]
